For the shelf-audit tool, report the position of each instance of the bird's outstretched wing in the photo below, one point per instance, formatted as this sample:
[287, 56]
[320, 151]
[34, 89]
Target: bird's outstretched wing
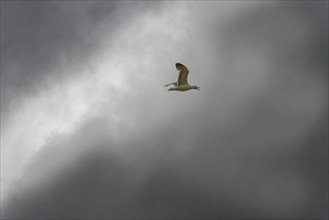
[174, 83]
[183, 72]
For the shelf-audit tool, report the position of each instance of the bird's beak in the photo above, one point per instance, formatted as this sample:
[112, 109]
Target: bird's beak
[198, 88]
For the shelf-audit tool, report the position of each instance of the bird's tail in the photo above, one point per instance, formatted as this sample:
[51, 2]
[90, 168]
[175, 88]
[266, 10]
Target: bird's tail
[174, 83]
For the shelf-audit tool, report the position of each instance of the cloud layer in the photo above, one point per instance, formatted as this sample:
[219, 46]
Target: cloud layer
[88, 131]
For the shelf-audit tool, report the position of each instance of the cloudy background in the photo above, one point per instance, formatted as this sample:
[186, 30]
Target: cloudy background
[89, 131]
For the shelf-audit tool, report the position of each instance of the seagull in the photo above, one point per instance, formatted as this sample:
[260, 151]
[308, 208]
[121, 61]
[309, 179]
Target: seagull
[181, 84]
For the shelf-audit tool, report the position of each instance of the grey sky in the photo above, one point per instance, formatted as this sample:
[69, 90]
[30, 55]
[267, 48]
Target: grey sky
[87, 130]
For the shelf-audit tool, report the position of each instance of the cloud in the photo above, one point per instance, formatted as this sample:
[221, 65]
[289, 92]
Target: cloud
[107, 142]
[106, 182]
[60, 104]
[41, 40]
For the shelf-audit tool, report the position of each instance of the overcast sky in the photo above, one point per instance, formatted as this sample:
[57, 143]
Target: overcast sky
[89, 131]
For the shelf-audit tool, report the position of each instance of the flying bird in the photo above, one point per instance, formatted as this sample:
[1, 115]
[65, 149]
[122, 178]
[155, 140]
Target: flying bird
[181, 84]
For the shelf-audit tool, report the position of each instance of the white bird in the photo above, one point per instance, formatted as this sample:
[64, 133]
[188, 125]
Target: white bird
[181, 84]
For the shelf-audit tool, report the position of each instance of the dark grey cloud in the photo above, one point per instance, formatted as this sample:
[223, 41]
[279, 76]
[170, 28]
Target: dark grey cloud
[85, 178]
[253, 143]
[40, 36]
[107, 185]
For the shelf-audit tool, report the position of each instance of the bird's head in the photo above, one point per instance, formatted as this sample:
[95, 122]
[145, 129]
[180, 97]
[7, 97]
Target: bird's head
[196, 87]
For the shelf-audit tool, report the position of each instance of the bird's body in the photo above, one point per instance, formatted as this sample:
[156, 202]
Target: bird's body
[181, 88]
[182, 84]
